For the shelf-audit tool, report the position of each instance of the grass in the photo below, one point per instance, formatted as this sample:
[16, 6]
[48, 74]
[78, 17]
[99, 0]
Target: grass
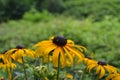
[102, 37]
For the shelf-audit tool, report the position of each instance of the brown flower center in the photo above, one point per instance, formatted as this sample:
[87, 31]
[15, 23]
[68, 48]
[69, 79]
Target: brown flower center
[19, 47]
[60, 41]
[102, 63]
[89, 57]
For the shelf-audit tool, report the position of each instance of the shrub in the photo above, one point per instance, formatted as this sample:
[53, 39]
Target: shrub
[34, 16]
[96, 9]
[54, 6]
[13, 9]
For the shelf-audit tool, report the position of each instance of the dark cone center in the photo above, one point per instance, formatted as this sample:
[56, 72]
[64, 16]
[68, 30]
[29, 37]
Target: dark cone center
[60, 41]
[102, 63]
[19, 47]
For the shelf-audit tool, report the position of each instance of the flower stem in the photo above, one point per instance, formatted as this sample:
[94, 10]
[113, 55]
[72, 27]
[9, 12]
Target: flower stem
[58, 69]
[24, 69]
[9, 74]
[97, 78]
[82, 75]
[48, 62]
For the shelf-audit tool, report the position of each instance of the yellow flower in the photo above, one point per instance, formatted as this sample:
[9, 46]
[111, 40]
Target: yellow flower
[113, 77]
[59, 45]
[19, 52]
[2, 62]
[5, 63]
[100, 67]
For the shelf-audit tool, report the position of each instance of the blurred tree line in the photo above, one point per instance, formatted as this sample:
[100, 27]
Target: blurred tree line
[96, 9]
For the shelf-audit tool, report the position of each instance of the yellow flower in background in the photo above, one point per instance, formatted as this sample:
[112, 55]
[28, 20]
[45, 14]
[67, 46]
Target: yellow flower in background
[100, 67]
[19, 52]
[5, 63]
[113, 77]
[59, 45]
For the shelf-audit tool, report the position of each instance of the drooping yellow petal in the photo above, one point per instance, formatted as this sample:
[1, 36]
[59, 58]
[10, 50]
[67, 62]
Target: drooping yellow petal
[39, 52]
[55, 56]
[111, 69]
[110, 77]
[79, 54]
[81, 48]
[19, 54]
[91, 66]
[42, 43]
[44, 46]
[70, 56]
[98, 70]
[29, 53]
[62, 54]
[102, 72]
[49, 49]
[20, 60]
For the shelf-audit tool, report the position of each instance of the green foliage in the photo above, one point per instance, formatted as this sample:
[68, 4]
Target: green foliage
[13, 9]
[54, 6]
[80, 9]
[35, 16]
[95, 9]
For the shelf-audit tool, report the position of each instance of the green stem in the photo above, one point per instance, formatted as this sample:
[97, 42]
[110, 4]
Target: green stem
[9, 74]
[58, 69]
[97, 77]
[82, 75]
[48, 62]
[24, 69]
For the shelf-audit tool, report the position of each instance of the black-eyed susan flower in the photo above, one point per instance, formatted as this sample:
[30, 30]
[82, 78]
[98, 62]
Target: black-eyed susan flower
[113, 77]
[2, 62]
[100, 67]
[59, 45]
[19, 52]
[5, 63]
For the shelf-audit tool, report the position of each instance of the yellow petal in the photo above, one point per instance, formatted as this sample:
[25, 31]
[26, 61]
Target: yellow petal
[91, 66]
[42, 42]
[102, 72]
[110, 77]
[20, 60]
[55, 56]
[62, 54]
[98, 70]
[110, 69]
[29, 53]
[50, 48]
[76, 52]
[70, 42]
[70, 56]
[81, 48]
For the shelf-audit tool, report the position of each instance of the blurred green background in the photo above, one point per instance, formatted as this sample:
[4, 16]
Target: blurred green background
[94, 24]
